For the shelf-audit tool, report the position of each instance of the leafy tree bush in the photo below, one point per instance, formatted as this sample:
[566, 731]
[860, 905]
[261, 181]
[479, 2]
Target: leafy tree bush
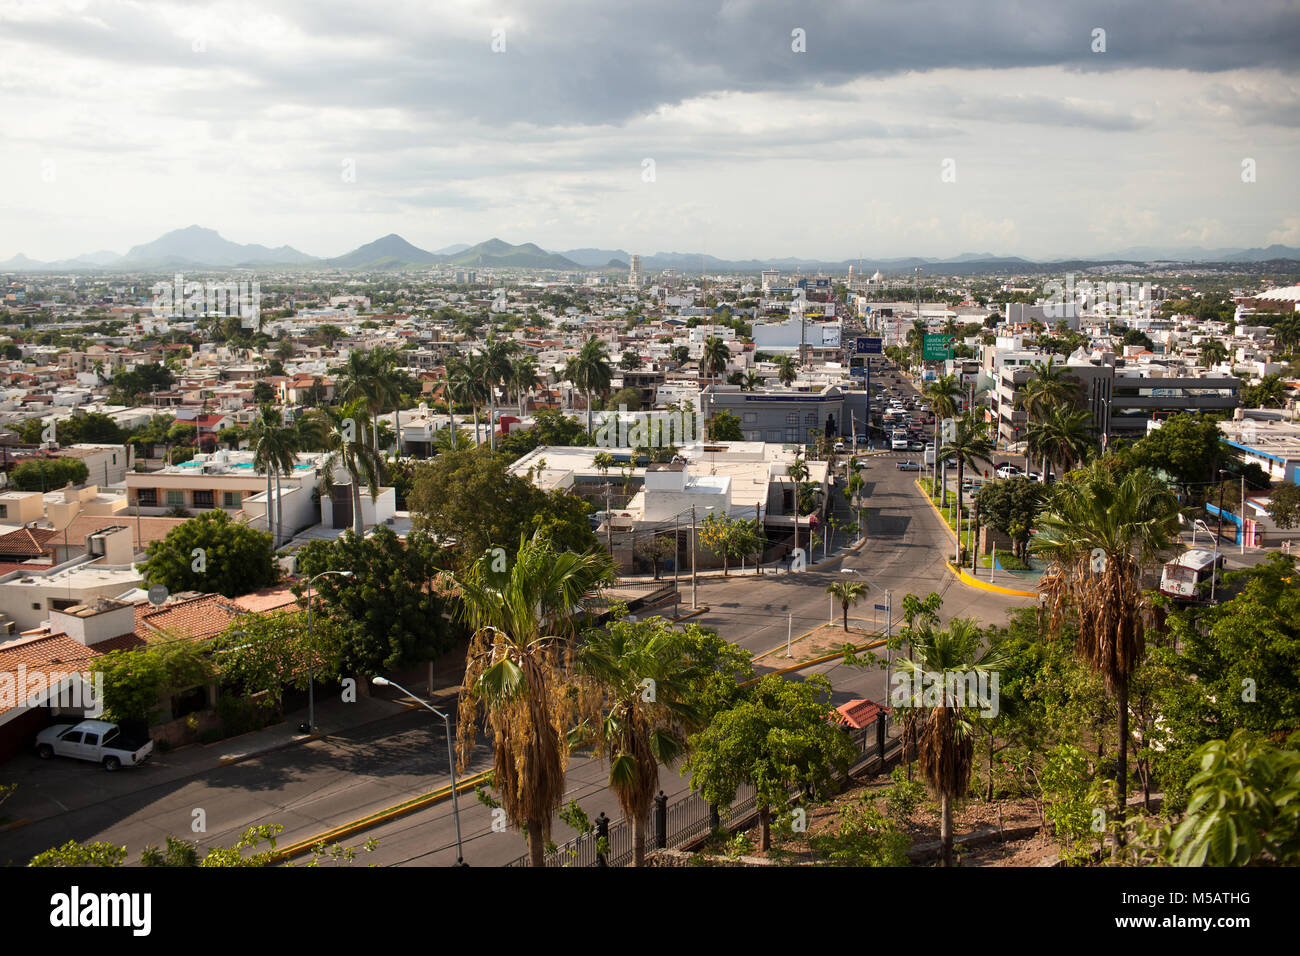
[212, 553]
[48, 474]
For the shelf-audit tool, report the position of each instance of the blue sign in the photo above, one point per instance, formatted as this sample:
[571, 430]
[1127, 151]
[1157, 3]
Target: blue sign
[868, 346]
[881, 607]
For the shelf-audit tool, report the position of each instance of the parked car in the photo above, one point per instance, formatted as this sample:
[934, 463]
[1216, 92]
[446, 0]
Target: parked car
[1008, 471]
[909, 465]
[98, 741]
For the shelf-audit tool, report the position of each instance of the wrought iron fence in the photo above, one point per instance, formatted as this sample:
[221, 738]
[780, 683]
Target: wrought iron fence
[678, 823]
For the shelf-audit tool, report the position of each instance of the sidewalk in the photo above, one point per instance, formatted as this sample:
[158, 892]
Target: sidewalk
[47, 788]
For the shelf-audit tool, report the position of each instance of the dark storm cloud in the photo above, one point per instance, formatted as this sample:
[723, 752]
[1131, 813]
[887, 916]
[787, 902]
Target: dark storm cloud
[590, 63]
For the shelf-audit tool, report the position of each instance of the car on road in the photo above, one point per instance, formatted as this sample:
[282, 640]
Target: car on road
[839, 446]
[916, 446]
[98, 741]
[1008, 471]
[909, 465]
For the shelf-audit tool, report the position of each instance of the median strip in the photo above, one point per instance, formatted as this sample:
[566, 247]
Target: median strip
[382, 816]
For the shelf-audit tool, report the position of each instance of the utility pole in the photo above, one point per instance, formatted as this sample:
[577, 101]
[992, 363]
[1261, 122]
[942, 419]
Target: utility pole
[694, 582]
[1243, 513]
[677, 551]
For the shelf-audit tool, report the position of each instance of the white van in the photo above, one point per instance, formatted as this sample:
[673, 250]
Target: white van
[899, 442]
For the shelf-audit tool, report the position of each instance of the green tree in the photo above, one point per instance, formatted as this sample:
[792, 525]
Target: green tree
[724, 426]
[778, 738]
[633, 708]
[714, 358]
[211, 553]
[1012, 506]
[630, 361]
[729, 537]
[1187, 447]
[343, 429]
[786, 370]
[524, 615]
[590, 372]
[969, 444]
[847, 593]
[936, 684]
[48, 474]
[447, 499]
[1062, 436]
[1284, 505]
[390, 613]
[1101, 535]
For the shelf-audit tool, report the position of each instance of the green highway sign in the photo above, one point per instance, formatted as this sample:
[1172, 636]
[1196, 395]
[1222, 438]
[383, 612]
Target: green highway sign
[936, 348]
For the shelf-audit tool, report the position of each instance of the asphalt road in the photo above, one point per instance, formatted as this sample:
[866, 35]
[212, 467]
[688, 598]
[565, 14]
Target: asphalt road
[315, 786]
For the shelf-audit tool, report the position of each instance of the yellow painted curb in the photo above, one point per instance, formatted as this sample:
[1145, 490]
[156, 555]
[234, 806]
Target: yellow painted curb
[383, 816]
[870, 645]
[969, 581]
[938, 514]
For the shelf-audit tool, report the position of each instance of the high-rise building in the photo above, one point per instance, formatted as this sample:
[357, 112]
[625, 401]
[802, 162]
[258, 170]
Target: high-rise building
[770, 278]
[634, 273]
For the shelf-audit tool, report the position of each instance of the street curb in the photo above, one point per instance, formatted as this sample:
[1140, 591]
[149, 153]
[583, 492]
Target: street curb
[937, 513]
[381, 816]
[972, 582]
[696, 613]
[870, 645]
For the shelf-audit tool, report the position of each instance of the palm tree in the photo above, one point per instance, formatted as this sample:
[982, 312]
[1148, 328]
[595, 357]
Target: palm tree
[943, 394]
[1101, 534]
[274, 447]
[786, 370]
[1269, 392]
[1286, 332]
[371, 379]
[524, 378]
[970, 443]
[752, 382]
[590, 372]
[523, 621]
[603, 461]
[847, 593]
[497, 368]
[475, 387]
[916, 337]
[945, 736]
[1213, 352]
[633, 730]
[1049, 385]
[349, 450]
[797, 471]
[1063, 436]
[713, 360]
[456, 387]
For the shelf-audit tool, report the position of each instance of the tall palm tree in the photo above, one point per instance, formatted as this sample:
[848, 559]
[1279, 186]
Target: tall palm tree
[370, 378]
[524, 377]
[455, 387]
[633, 730]
[752, 382]
[798, 471]
[1062, 436]
[497, 356]
[916, 337]
[1101, 535]
[350, 450]
[713, 360]
[274, 446]
[786, 370]
[1286, 332]
[1050, 384]
[1213, 352]
[1269, 392]
[523, 620]
[970, 443]
[847, 593]
[944, 395]
[475, 386]
[945, 735]
[590, 372]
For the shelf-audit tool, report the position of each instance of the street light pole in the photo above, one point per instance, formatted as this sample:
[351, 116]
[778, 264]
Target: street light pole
[451, 758]
[311, 651]
[694, 581]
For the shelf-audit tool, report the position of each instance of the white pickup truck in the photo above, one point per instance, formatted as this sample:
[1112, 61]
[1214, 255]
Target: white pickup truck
[96, 740]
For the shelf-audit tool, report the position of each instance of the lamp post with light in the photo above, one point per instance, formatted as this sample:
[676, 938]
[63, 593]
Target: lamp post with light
[311, 651]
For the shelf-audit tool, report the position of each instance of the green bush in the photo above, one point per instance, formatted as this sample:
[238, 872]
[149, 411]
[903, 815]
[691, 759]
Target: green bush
[240, 715]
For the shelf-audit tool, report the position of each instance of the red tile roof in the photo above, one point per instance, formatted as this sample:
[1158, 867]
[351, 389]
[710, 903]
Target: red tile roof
[859, 713]
[197, 619]
[26, 542]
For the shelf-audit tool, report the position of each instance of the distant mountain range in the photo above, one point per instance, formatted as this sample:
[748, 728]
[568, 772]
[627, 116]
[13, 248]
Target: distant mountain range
[199, 248]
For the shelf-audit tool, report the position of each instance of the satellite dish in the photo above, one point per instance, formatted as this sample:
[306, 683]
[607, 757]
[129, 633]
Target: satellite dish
[157, 594]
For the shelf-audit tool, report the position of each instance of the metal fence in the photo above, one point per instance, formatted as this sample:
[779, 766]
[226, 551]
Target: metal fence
[670, 826]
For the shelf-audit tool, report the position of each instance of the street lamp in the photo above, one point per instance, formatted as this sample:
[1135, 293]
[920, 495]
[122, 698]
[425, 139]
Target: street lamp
[451, 757]
[311, 650]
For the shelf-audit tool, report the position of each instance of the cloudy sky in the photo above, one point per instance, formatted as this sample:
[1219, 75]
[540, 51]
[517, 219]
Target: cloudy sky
[900, 128]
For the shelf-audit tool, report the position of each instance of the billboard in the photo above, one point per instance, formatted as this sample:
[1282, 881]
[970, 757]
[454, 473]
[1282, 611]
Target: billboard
[936, 348]
[868, 346]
